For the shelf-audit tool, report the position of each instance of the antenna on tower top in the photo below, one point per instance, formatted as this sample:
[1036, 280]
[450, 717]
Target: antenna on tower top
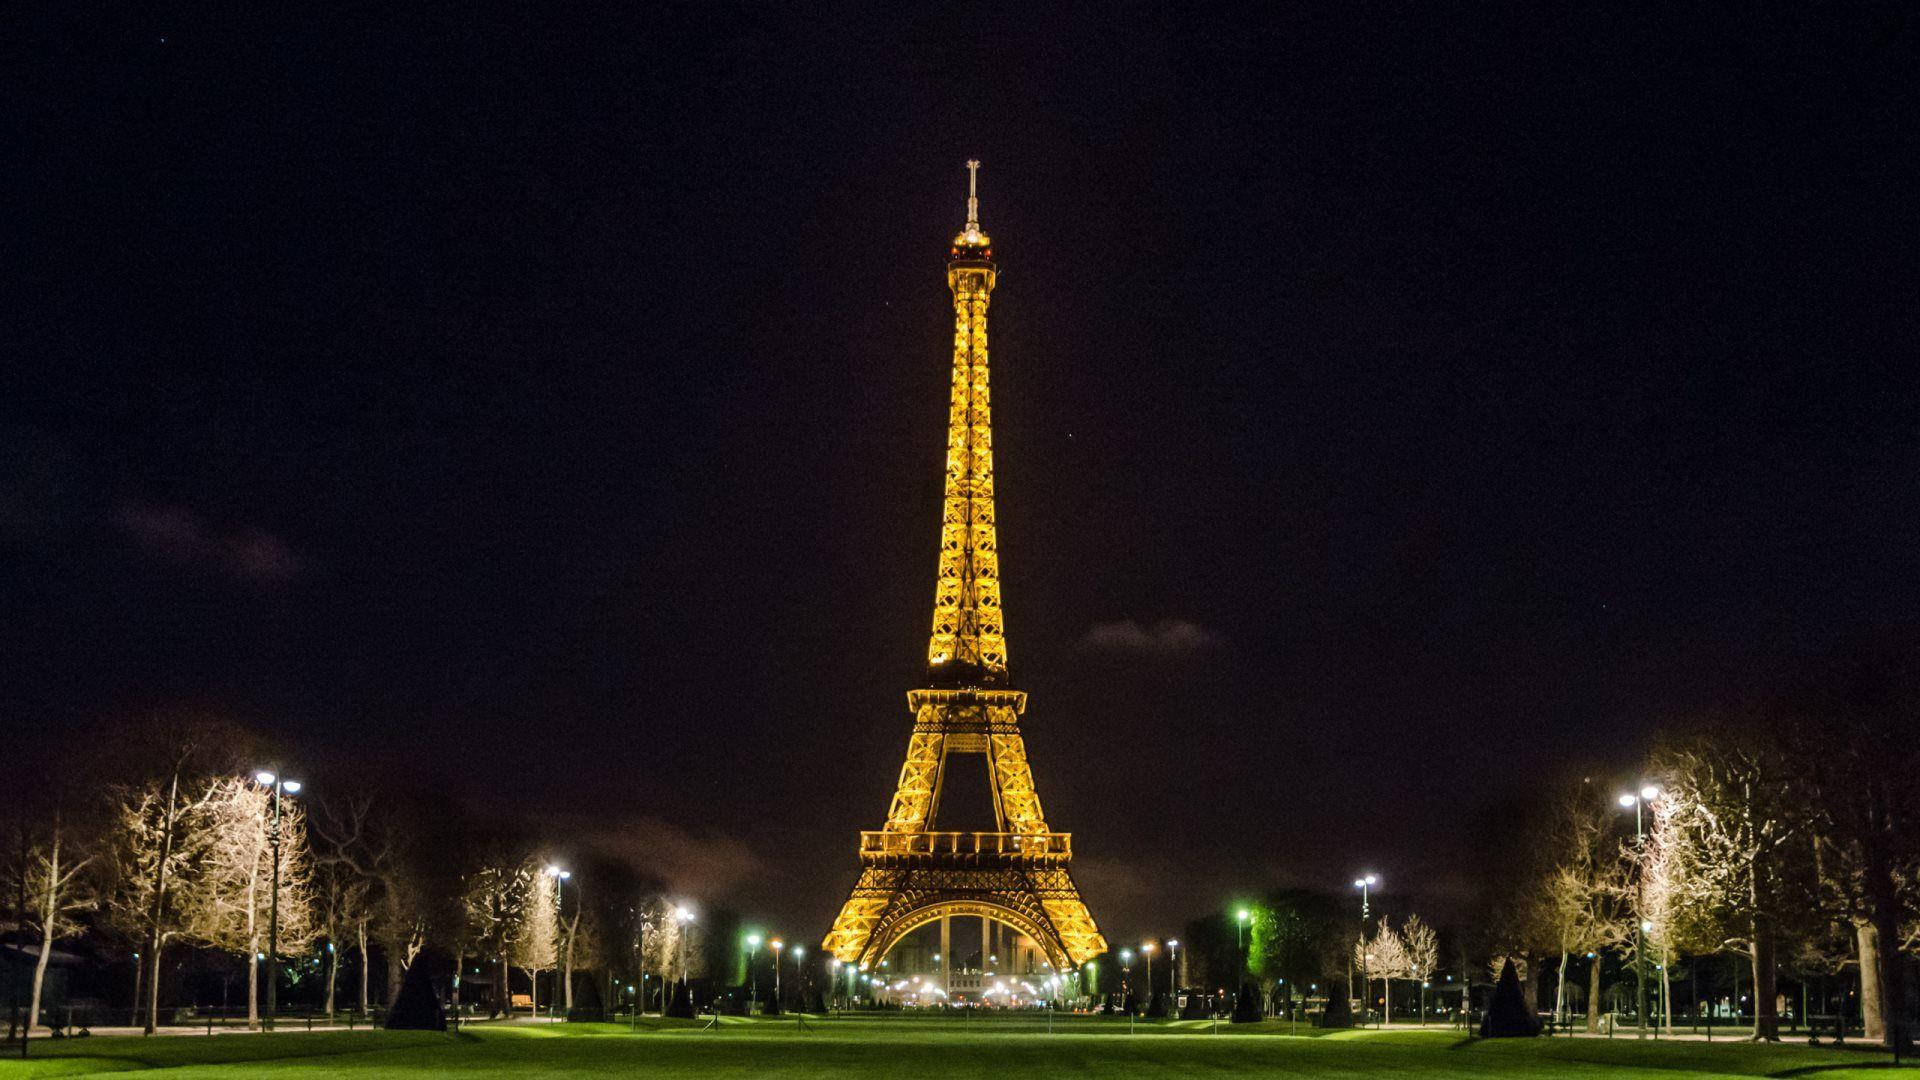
[973, 196]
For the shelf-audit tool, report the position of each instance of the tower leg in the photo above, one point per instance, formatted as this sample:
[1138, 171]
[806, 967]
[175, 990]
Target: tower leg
[986, 943]
[946, 951]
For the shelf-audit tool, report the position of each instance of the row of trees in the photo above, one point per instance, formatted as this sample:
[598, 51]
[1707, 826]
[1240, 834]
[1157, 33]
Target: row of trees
[1787, 832]
[173, 845]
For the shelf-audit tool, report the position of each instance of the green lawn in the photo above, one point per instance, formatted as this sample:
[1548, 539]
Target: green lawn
[921, 1048]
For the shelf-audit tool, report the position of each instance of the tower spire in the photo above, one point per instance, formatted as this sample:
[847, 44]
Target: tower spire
[972, 243]
[973, 196]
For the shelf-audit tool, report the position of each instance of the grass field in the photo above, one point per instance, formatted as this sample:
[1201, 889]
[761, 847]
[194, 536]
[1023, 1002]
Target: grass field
[921, 1048]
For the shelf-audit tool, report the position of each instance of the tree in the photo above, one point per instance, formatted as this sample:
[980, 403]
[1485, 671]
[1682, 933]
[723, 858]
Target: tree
[1421, 947]
[160, 824]
[493, 899]
[160, 832]
[660, 937]
[374, 840]
[1856, 741]
[1383, 958]
[536, 941]
[47, 878]
[342, 902]
[232, 908]
[1732, 837]
[1576, 899]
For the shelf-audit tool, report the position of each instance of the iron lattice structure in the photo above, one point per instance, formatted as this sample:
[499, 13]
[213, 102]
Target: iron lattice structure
[912, 875]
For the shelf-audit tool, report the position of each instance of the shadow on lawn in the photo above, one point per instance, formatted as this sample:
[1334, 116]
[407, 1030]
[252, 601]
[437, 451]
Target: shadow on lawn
[1810, 1070]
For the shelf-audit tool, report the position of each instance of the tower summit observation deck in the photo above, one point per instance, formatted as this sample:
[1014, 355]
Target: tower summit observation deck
[911, 874]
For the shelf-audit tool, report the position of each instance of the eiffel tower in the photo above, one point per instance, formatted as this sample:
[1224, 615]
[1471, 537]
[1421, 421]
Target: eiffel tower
[912, 875]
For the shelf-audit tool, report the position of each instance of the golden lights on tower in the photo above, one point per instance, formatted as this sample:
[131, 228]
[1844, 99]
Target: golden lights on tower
[912, 875]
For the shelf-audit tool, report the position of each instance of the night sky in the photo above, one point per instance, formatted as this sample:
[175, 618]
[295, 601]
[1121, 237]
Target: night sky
[550, 401]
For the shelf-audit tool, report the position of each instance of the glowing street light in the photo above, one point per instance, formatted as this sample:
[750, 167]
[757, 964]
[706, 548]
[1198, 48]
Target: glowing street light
[753, 988]
[1648, 793]
[279, 785]
[1146, 950]
[1365, 884]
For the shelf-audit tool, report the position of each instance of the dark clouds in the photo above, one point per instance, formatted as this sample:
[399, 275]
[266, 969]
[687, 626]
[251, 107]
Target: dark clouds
[242, 553]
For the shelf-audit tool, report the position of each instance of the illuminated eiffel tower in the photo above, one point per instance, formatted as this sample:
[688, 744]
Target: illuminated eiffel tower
[910, 874]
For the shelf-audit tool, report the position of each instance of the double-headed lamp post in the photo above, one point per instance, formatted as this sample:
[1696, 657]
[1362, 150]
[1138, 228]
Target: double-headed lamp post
[559, 901]
[279, 784]
[1365, 884]
[1638, 801]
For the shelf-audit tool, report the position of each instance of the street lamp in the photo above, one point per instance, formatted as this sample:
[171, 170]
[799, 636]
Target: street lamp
[682, 915]
[1240, 937]
[1146, 950]
[559, 902]
[1638, 801]
[291, 787]
[753, 988]
[1173, 975]
[776, 945]
[1365, 885]
[1126, 978]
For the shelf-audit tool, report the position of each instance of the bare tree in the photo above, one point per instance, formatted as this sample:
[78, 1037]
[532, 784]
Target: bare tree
[1383, 958]
[159, 835]
[342, 903]
[493, 900]
[1857, 742]
[47, 878]
[237, 898]
[367, 842]
[1576, 900]
[660, 939]
[1733, 848]
[1421, 948]
[536, 944]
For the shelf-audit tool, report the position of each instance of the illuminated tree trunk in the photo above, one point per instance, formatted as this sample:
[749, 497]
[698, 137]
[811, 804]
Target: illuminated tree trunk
[154, 937]
[49, 909]
[567, 978]
[1872, 999]
[333, 972]
[363, 967]
[1560, 991]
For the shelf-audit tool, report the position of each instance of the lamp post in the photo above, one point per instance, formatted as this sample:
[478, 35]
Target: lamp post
[559, 900]
[1146, 950]
[1126, 980]
[753, 988]
[1241, 918]
[1365, 885]
[1173, 975]
[290, 787]
[776, 945]
[682, 915]
[1646, 794]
